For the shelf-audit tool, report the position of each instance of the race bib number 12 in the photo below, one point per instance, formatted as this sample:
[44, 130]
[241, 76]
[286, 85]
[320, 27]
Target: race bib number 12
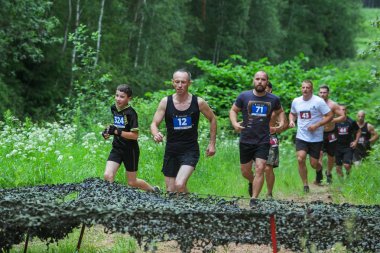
[181, 123]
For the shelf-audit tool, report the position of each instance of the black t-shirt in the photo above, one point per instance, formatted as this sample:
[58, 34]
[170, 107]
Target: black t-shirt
[182, 126]
[346, 131]
[364, 137]
[257, 112]
[126, 120]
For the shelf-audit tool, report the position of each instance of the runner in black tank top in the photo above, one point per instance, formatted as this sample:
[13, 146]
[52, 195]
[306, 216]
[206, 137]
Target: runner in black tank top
[181, 114]
[182, 126]
[368, 137]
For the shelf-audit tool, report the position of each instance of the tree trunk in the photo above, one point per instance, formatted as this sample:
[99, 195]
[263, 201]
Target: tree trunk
[99, 32]
[73, 56]
[140, 35]
[67, 28]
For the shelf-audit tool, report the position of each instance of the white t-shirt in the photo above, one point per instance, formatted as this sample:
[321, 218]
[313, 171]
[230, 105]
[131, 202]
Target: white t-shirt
[308, 113]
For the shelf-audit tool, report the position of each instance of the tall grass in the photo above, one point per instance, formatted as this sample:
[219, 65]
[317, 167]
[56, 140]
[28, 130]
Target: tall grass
[52, 153]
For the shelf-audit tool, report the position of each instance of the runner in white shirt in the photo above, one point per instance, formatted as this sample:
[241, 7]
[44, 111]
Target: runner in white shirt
[311, 113]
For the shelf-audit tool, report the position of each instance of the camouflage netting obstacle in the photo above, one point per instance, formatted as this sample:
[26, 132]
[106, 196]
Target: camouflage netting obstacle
[51, 212]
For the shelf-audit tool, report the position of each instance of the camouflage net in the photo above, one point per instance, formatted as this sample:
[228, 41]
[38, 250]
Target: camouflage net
[51, 212]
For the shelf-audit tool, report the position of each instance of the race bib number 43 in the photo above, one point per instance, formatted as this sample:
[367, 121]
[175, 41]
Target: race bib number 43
[305, 115]
[181, 123]
[118, 121]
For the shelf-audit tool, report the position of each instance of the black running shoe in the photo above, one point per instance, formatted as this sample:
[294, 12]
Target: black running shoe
[250, 188]
[252, 203]
[156, 189]
[306, 189]
[319, 177]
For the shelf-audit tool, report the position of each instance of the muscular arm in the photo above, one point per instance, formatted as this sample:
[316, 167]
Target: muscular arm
[208, 113]
[374, 134]
[233, 118]
[340, 116]
[157, 119]
[326, 119]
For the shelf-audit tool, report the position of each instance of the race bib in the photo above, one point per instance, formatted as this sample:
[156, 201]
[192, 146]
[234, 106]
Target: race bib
[343, 130]
[305, 115]
[361, 140]
[331, 137]
[118, 121]
[181, 123]
[273, 141]
[260, 110]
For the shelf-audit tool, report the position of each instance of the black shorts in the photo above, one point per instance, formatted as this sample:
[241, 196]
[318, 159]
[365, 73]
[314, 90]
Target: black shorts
[249, 152]
[360, 152]
[343, 155]
[311, 148]
[128, 155]
[174, 161]
[329, 142]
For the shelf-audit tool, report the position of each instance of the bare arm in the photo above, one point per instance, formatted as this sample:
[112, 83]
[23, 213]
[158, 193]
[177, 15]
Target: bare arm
[292, 119]
[281, 121]
[340, 116]
[208, 113]
[326, 119]
[130, 135]
[233, 118]
[357, 136]
[157, 119]
[374, 134]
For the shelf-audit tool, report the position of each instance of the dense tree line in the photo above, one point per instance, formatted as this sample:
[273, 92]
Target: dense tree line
[142, 41]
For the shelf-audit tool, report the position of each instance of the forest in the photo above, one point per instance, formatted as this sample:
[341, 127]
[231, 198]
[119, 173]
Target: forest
[50, 49]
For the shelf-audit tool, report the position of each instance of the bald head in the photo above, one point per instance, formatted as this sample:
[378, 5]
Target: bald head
[360, 116]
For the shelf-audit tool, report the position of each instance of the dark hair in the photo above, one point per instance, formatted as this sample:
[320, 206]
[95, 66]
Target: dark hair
[125, 88]
[324, 86]
[270, 85]
[183, 70]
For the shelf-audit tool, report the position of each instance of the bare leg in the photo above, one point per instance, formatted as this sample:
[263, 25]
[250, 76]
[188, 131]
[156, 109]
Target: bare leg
[270, 178]
[330, 164]
[183, 176]
[339, 170]
[133, 181]
[301, 157]
[170, 184]
[110, 171]
[258, 181]
[246, 171]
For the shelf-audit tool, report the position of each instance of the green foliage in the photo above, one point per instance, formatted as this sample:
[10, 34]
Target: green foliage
[220, 84]
[89, 100]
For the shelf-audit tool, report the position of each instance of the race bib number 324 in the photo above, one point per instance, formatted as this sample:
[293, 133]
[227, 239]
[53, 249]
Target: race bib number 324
[181, 123]
[118, 121]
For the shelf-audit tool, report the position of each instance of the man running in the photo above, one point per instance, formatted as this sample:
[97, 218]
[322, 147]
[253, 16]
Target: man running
[348, 137]
[181, 112]
[311, 113]
[273, 161]
[329, 135]
[368, 137]
[257, 107]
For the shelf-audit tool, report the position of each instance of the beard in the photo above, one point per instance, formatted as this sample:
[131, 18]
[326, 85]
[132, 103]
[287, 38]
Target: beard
[259, 88]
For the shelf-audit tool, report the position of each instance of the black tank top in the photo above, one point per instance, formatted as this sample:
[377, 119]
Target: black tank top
[365, 136]
[182, 126]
